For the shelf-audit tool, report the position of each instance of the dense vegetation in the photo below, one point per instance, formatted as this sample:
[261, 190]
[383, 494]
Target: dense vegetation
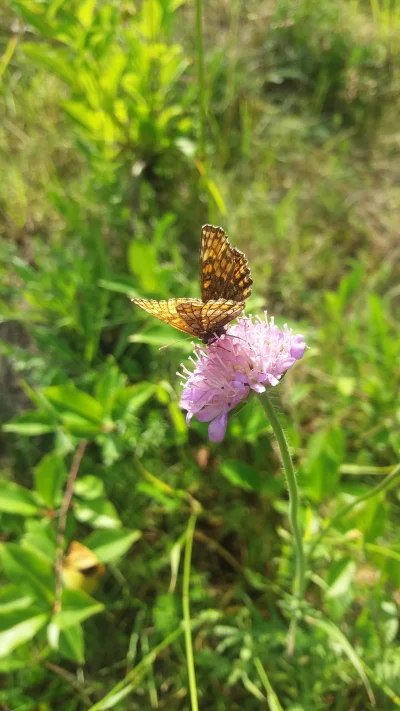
[110, 167]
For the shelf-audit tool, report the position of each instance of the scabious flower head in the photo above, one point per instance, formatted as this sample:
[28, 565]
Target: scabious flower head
[250, 355]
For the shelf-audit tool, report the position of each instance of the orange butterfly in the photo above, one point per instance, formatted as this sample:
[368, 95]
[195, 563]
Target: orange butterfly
[225, 282]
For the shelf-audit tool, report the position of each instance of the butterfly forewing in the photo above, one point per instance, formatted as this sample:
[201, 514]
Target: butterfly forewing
[224, 271]
[167, 311]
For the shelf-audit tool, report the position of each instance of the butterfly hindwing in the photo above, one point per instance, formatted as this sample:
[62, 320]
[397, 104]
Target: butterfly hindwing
[192, 315]
[224, 271]
[209, 318]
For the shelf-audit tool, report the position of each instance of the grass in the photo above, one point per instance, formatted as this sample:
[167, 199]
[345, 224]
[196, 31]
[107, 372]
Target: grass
[300, 130]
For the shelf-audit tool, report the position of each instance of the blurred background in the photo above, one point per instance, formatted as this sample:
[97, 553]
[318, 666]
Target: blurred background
[112, 156]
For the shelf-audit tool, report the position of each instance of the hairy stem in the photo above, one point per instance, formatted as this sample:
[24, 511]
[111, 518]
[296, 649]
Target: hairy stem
[294, 507]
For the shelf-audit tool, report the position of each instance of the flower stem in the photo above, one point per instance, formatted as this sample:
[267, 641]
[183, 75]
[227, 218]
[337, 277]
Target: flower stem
[200, 79]
[186, 612]
[294, 506]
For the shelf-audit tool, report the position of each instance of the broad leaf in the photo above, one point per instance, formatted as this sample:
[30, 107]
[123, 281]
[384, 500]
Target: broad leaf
[68, 642]
[76, 606]
[31, 424]
[241, 474]
[17, 500]
[50, 475]
[16, 628]
[99, 513]
[67, 398]
[29, 568]
[109, 545]
[89, 487]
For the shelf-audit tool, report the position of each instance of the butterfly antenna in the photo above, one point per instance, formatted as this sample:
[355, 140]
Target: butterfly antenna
[162, 348]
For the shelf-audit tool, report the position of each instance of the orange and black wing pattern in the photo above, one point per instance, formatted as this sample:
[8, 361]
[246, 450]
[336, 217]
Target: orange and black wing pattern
[192, 316]
[224, 270]
[225, 286]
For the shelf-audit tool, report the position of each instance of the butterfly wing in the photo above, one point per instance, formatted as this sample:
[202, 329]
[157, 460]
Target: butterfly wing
[167, 311]
[224, 271]
[193, 316]
[209, 318]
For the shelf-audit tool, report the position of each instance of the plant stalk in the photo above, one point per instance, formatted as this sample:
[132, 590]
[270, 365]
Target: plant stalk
[200, 79]
[186, 612]
[294, 508]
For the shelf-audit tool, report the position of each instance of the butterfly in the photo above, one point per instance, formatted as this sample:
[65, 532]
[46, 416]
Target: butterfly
[225, 282]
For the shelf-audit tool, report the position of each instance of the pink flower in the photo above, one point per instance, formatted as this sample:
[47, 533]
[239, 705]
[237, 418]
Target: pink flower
[250, 355]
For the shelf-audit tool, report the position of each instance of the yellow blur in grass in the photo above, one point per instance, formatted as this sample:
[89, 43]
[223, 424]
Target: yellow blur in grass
[82, 569]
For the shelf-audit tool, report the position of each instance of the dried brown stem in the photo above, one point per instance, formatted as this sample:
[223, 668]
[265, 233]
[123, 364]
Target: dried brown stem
[62, 521]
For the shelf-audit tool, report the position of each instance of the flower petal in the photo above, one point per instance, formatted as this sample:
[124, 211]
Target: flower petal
[258, 388]
[217, 428]
[297, 350]
[208, 413]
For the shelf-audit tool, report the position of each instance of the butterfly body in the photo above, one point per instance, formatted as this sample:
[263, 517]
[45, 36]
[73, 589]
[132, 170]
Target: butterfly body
[225, 282]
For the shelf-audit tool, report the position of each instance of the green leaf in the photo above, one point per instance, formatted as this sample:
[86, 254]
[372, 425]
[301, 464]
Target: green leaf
[18, 628]
[110, 545]
[76, 606]
[166, 613]
[340, 577]
[57, 60]
[142, 260]
[273, 701]
[321, 468]
[160, 336]
[112, 699]
[120, 286]
[89, 487]
[11, 599]
[216, 195]
[67, 398]
[109, 385]
[68, 642]
[346, 385]
[29, 568]
[80, 426]
[340, 594]
[337, 636]
[99, 513]
[41, 536]
[178, 420]
[89, 119]
[137, 395]
[50, 475]
[85, 11]
[241, 474]
[31, 424]
[17, 500]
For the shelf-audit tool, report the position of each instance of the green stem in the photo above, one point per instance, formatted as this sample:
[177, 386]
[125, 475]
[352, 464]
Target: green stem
[200, 79]
[271, 695]
[186, 612]
[387, 481]
[294, 506]
[135, 675]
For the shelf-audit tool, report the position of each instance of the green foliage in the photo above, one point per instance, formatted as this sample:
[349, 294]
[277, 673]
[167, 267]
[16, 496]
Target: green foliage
[103, 201]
